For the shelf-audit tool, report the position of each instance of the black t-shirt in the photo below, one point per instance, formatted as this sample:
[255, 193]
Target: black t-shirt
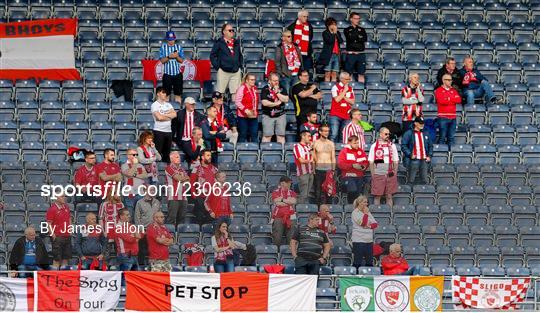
[356, 38]
[303, 105]
[266, 94]
[310, 242]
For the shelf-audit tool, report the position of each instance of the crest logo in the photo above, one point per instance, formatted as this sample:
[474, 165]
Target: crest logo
[358, 297]
[189, 70]
[392, 295]
[427, 298]
[8, 302]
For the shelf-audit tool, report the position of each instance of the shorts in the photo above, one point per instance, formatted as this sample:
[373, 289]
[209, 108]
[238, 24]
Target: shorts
[333, 65]
[173, 83]
[225, 79]
[382, 185]
[274, 125]
[355, 63]
[61, 248]
[160, 266]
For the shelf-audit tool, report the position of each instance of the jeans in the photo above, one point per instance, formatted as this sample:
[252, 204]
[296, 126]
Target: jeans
[320, 196]
[287, 82]
[130, 203]
[483, 90]
[224, 267]
[363, 253]
[353, 186]
[309, 267]
[413, 270]
[336, 127]
[416, 166]
[355, 63]
[126, 262]
[163, 141]
[248, 128]
[28, 268]
[305, 184]
[307, 64]
[447, 131]
[279, 229]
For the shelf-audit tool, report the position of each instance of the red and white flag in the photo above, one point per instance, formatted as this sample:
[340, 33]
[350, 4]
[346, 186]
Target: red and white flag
[39, 49]
[238, 291]
[191, 70]
[488, 293]
[17, 294]
[78, 290]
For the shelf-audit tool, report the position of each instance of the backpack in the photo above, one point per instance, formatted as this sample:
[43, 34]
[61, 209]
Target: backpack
[249, 256]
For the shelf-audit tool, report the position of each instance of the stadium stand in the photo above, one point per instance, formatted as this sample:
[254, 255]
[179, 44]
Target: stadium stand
[480, 213]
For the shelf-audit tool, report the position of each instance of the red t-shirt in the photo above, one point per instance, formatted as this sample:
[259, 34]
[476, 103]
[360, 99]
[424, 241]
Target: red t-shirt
[157, 251]
[85, 176]
[126, 243]
[219, 204]
[109, 169]
[201, 175]
[60, 217]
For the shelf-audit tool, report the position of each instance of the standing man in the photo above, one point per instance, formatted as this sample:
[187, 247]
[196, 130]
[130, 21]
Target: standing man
[159, 239]
[383, 163]
[274, 120]
[213, 133]
[447, 98]
[354, 128]
[86, 176]
[283, 219]
[342, 102]
[417, 151]
[450, 68]
[288, 61]
[145, 209]
[176, 177]
[127, 241]
[412, 97]
[226, 58]
[134, 176]
[163, 113]
[303, 158]
[58, 219]
[192, 148]
[186, 120]
[324, 157]
[353, 162]
[311, 126]
[356, 38]
[172, 56]
[218, 203]
[305, 97]
[302, 37]
[225, 117]
[310, 247]
[202, 173]
[109, 172]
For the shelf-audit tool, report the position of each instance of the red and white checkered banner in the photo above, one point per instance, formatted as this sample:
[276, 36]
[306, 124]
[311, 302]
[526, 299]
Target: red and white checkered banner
[488, 293]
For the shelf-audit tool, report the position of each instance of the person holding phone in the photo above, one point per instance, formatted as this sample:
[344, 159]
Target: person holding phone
[383, 163]
[172, 56]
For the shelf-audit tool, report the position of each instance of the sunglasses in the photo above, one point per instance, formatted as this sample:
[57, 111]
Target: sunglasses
[386, 134]
[287, 36]
[133, 154]
[230, 30]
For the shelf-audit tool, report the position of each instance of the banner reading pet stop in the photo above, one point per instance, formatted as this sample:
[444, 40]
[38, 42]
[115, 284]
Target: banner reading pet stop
[39, 49]
[184, 291]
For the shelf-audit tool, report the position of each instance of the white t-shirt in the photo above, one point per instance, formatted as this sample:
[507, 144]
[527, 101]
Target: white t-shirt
[162, 126]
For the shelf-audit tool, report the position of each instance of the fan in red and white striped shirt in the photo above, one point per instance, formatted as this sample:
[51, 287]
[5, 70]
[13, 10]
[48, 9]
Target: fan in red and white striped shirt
[174, 174]
[303, 158]
[354, 128]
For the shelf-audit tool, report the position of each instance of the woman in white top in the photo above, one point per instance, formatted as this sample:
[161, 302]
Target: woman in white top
[364, 225]
[223, 246]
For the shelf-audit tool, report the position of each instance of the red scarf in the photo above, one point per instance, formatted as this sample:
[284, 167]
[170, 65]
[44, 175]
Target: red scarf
[379, 152]
[469, 77]
[221, 118]
[301, 36]
[292, 58]
[222, 242]
[215, 127]
[150, 168]
[230, 44]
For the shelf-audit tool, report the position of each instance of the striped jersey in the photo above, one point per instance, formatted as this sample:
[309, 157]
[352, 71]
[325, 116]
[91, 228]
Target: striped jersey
[353, 129]
[172, 67]
[419, 149]
[303, 151]
[174, 187]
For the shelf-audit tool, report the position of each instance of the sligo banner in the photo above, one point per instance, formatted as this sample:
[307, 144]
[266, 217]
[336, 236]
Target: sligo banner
[391, 293]
[16, 294]
[38, 49]
[488, 293]
[191, 70]
[78, 290]
[185, 291]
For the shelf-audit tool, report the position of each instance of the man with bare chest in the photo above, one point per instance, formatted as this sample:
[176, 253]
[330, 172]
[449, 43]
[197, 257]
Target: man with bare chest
[324, 155]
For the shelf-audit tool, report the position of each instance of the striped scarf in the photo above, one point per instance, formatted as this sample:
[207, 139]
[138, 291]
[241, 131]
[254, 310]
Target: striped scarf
[301, 36]
[222, 256]
[293, 59]
[230, 44]
[152, 167]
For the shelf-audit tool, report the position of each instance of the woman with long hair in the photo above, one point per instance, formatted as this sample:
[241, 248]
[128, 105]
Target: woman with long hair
[364, 225]
[108, 211]
[223, 246]
[148, 155]
[247, 103]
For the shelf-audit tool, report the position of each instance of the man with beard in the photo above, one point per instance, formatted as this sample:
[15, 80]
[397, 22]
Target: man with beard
[213, 133]
[324, 156]
[108, 171]
[202, 173]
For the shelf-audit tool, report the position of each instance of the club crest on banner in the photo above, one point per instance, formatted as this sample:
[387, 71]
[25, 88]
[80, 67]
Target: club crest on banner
[427, 298]
[8, 301]
[491, 300]
[392, 295]
[189, 70]
[159, 70]
[358, 297]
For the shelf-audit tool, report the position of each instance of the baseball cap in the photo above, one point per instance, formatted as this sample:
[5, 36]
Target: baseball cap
[419, 120]
[170, 35]
[217, 95]
[189, 100]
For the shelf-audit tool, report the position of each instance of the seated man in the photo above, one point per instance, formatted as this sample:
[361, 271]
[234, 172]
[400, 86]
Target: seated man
[28, 253]
[474, 84]
[395, 264]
